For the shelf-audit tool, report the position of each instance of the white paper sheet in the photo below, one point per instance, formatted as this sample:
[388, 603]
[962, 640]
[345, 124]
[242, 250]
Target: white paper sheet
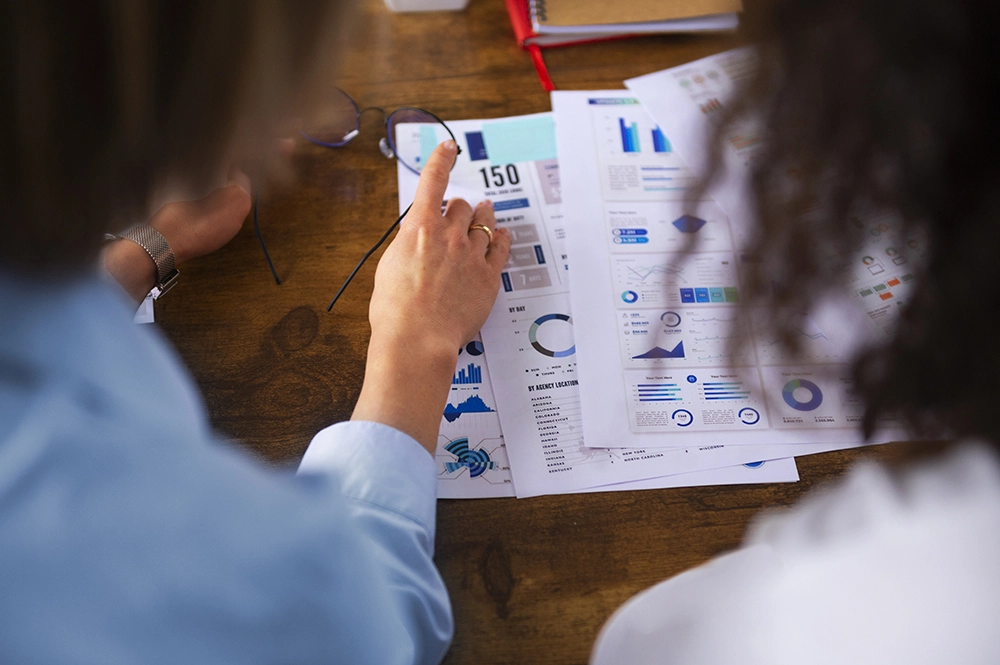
[652, 325]
[529, 335]
[686, 100]
[472, 459]
[772, 471]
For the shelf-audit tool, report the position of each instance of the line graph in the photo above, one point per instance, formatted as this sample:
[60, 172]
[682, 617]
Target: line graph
[814, 345]
[713, 319]
[704, 278]
[715, 338]
[642, 273]
[815, 335]
[719, 358]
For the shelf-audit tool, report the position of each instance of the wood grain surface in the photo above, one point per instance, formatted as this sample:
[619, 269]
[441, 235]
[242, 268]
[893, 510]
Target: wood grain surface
[531, 580]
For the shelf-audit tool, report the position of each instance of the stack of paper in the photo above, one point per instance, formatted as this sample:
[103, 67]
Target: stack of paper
[605, 326]
[686, 101]
[633, 17]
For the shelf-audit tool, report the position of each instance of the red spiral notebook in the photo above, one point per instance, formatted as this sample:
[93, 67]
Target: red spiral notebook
[533, 43]
[701, 15]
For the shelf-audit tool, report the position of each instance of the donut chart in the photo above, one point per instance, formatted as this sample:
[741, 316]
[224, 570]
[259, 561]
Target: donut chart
[533, 336]
[749, 416]
[815, 395]
[682, 417]
[670, 319]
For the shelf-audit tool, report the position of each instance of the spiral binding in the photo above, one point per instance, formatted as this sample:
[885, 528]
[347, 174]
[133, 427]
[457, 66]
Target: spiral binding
[539, 11]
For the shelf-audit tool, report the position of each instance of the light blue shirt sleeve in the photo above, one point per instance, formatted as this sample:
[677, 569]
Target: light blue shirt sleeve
[130, 534]
[391, 484]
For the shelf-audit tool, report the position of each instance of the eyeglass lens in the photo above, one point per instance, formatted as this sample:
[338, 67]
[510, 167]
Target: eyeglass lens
[413, 134]
[334, 122]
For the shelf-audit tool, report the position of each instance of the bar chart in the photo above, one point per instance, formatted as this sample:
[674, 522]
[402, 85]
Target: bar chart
[473, 373]
[660, 142]
[630, 136]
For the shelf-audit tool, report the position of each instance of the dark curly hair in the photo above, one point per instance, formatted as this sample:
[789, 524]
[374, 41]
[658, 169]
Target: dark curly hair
[890, 105]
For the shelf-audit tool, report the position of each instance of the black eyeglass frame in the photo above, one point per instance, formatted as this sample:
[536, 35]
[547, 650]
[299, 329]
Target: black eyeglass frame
[388, 148]
[387, 144]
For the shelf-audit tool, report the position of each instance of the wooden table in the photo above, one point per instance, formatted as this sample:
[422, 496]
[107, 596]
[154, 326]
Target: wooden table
[531, 580]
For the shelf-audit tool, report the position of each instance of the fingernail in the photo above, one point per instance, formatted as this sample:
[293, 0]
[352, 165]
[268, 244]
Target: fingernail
[486, 203]
[240, 179]
[450, 145]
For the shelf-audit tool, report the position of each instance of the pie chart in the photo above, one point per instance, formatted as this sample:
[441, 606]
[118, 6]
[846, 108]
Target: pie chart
[802, 395]
[552, 335]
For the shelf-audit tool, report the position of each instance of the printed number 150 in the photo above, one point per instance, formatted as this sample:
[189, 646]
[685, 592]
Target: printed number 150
[497, 174]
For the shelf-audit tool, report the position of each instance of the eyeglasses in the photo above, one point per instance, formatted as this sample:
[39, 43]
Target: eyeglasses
[411, 135]
[339, 121]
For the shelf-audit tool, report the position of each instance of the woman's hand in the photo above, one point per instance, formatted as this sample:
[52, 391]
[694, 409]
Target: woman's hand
[438, 279]
[191, 228]
[434, 288]
[197, 228]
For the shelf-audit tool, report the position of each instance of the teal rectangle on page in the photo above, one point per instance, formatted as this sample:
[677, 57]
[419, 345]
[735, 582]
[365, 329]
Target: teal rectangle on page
[524, 140]
[428, 142]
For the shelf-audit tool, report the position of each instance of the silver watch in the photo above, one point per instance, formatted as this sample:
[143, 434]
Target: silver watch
[159, 250]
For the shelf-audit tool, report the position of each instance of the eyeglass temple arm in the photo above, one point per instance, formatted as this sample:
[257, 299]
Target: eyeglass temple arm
[365, 257]
[260, 238]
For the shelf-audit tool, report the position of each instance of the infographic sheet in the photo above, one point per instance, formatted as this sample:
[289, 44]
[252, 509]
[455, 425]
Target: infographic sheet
[670, 313]
[686, 102]
[529, 338]
[471, 458]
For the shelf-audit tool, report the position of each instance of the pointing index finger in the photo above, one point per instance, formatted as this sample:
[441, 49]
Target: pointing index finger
[434, 177]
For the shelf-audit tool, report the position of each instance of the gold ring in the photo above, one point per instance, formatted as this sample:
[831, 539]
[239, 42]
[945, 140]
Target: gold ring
[483, 227]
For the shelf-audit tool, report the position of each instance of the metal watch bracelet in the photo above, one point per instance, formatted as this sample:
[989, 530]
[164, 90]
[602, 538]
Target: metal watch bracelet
[159, 250]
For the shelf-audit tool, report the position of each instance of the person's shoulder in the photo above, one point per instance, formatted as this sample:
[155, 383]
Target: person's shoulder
[872, 498]
[887, 567]
[881, 568]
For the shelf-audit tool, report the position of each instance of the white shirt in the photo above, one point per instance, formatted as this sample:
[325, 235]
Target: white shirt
[880, 569]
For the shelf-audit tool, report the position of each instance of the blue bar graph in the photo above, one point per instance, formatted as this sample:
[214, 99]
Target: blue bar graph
[660, 142]
[725, 390]
[471, 374]
[659, 392]
[630, 135]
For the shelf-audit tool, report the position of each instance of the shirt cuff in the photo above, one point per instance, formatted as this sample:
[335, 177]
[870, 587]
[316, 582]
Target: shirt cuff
[377, 464]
